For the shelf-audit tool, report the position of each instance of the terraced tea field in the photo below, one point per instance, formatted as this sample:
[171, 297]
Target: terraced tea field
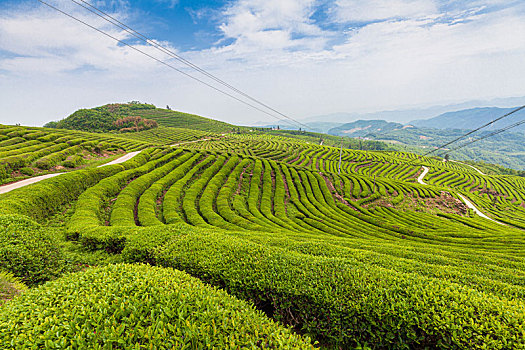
[258, 241]
[34, 151]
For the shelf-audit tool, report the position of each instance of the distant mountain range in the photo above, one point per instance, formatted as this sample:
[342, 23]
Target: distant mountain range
[363, 128]
[466, 119]
[472, 118]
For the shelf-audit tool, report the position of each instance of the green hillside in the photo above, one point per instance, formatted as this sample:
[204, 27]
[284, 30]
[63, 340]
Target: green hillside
[117, 117]
[362, 128]
[29, 151]
[506, 149]
[184, 120]
[257, 240]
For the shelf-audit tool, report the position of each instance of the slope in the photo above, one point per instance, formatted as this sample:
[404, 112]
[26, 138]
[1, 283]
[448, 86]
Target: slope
[103, 119]
[364, 258]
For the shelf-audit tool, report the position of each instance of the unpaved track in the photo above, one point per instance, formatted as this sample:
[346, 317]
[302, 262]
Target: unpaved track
[23, 183]
[465, 200]
[471, 166]
[471, 206]
[422, 176]
[121, 159]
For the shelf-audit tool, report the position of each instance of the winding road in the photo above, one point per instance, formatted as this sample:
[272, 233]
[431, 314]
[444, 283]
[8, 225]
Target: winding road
[471, 166]
[465, 200]
[23, 183]
[128, 156]
[422, 176]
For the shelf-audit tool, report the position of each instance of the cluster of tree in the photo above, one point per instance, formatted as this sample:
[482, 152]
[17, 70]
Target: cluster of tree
[131, 124]
[368, 145]
[125, 108]
[109, 118]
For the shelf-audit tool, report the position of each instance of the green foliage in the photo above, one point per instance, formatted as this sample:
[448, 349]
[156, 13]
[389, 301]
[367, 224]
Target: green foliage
[73, 161]
[53, 159]
[27, 251]
[10, 286]
[137, 307]
[349, 303]
[88, 120]
[27, 171]
[366, 257]
[47, 196]
[104, 119]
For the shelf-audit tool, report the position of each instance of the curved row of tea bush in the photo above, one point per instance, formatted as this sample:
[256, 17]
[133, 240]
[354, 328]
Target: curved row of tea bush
[137, 307]
[487, 192]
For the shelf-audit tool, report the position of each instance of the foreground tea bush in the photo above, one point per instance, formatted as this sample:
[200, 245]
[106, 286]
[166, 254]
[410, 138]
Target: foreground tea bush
[347, 303]
[10, 286]
[137, 307]
[27, 251]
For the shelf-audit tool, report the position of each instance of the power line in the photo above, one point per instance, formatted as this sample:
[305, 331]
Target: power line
[158, 60]
[489, 135]
[151, 42]
[477, 129]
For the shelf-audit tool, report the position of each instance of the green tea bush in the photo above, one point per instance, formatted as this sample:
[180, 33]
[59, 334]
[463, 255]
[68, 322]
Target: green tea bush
[73, 161]
[10, 286]
[27, 171]
[4, 173]
[27, 252]
[137, 307]
[347, 303]
[46, 197]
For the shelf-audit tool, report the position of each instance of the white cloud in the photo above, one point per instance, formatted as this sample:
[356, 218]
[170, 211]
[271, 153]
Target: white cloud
[169, 3]
[42, 40]
[258, 25]
[372, 10]
[275, 51]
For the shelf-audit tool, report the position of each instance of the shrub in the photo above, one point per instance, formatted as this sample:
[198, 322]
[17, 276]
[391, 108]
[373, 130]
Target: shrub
[26, 251]
[73, 161]
[53, 159]
[27, 171]
[137, 307]
[347, 303]
[10, 286]
[4, 173]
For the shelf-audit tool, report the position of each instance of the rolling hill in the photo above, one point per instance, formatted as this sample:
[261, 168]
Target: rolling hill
[103, 119]
[362, 128]
[255, 239]
[468, 119]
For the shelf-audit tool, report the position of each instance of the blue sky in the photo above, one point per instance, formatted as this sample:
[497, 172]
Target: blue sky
[303, 57]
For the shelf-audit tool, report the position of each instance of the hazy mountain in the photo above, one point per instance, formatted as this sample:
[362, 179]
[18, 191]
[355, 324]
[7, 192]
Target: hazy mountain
[473, 118]
[409, 114]
[321, 127]
[363, 128]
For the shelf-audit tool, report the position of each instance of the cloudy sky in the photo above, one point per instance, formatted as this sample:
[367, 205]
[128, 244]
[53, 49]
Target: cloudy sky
[302, 57]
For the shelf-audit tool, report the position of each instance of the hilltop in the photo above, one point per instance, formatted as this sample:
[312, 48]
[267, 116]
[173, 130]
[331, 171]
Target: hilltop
[136, 116]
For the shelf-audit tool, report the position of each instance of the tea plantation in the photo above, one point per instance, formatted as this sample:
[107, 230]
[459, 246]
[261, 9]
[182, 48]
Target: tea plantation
[253, 239]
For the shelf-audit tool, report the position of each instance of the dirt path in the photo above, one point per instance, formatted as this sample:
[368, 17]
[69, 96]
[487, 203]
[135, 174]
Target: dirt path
[471, 206]
[465, 200]
[422, 176]
[471, 166]
[23, 183]
[122, 159]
